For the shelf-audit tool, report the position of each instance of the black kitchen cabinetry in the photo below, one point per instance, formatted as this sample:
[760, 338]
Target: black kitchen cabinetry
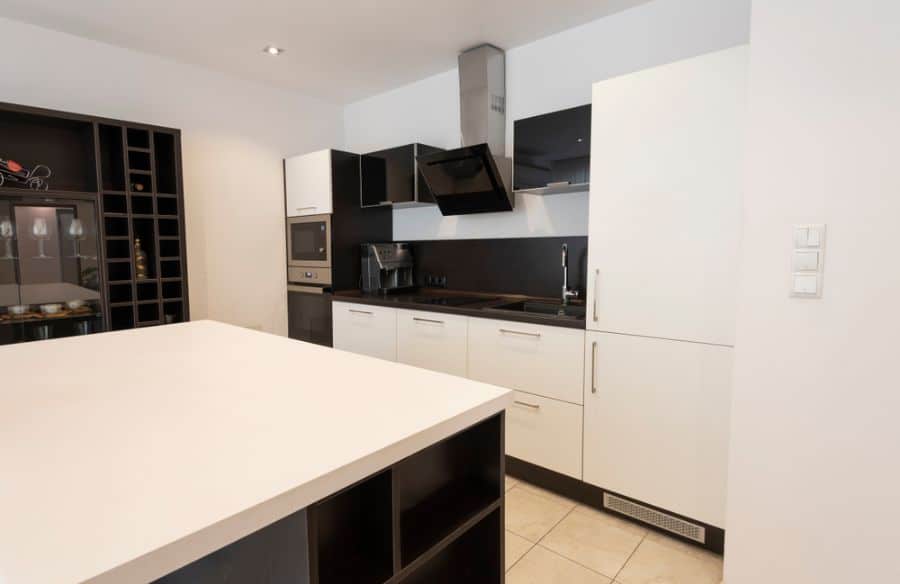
[552, 152]
[309, 317]
[391, 177]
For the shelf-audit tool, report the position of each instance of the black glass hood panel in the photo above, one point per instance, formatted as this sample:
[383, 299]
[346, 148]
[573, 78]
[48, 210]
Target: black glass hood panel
[465, 180]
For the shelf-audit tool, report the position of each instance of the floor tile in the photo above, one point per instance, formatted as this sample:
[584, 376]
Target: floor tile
[541, 566]
[532, 516]
[510, 482]
[546, 494]
[516, 547]
[661, 560]
[594, 539]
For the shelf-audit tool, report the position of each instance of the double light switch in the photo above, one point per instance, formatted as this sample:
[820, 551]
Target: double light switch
[807, 261]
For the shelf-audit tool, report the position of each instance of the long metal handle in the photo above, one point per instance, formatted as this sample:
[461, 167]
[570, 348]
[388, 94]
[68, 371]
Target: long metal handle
[310, 207]
[527, 405]
[596, 279]
[429, 320]
[360, 311]
[522, 333]
[594, 367]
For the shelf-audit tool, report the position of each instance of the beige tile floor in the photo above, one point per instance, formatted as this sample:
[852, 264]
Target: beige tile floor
[552, 540]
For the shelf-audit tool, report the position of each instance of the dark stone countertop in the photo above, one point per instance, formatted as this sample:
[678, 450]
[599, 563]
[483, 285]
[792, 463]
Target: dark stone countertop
[485, 308]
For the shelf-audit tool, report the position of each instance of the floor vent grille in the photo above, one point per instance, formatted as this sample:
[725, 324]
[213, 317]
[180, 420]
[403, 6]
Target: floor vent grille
[654, 517]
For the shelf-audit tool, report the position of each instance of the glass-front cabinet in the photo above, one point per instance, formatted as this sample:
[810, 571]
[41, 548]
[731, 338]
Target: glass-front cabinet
[49, 269]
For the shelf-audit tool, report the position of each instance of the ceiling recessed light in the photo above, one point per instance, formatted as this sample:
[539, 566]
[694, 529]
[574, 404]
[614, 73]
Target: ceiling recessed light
[273, 50]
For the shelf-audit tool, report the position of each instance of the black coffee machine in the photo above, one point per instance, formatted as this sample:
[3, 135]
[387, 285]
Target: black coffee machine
[386, 267]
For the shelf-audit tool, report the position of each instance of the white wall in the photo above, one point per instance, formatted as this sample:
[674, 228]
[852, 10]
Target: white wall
[235, 135]
[814, 486]
[547, 75]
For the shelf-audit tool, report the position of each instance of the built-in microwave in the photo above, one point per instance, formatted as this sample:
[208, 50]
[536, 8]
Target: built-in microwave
[309, 241]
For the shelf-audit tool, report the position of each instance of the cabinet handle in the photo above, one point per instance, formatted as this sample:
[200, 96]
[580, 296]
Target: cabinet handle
[310, 207]
[527, 405]
[594, 367]
[360, 311]
[596, 279]
[522, 333]
[428, 320]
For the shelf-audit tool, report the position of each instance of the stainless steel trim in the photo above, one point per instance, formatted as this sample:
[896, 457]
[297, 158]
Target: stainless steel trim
[596, 278]
[594, 367]
[309, 275]
[555, 189]
[527, 405]
[428, 320]
[323, 218]
[512, 332]
[361, 311]
[306, 289]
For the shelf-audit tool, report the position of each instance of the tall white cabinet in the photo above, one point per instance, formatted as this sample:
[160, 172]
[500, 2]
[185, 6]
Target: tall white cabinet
[665, 201]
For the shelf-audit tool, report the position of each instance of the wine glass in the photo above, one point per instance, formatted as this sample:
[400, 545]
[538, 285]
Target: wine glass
[41, 232]
[76, 233]
[8, 234]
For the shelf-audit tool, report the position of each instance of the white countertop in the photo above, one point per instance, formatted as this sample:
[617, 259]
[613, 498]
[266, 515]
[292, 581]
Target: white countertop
[124, 456]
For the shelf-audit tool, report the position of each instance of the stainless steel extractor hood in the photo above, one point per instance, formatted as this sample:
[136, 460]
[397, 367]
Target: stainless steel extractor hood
[476, 177]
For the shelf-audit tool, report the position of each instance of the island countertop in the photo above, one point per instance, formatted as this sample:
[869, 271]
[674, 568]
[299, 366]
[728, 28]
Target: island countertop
[124, 456]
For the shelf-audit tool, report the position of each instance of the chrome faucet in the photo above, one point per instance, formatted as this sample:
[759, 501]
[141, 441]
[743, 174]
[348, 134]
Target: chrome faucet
[566, 293]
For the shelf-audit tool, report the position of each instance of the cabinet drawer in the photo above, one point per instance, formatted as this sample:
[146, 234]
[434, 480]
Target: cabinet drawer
[432, 340]
[369, 330]
[543, 360]
[545, 432]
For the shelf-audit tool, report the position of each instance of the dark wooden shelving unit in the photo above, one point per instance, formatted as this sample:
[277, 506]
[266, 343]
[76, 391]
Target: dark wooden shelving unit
[136, 160]
[133, 174]
[433, 517]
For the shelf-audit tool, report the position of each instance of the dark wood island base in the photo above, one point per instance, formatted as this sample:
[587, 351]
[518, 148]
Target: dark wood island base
[435, 517]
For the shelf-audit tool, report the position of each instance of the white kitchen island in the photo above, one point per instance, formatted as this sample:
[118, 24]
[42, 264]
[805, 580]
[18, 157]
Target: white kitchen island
[127, 456]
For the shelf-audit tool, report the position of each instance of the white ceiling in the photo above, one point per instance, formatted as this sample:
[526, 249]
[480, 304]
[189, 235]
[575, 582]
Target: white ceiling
[340, 50]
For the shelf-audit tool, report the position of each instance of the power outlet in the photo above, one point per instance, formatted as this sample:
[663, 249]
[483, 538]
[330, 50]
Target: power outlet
[435, 281]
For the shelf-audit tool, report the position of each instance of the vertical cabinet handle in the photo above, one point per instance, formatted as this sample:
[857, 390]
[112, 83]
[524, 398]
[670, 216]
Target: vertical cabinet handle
[596, 279]
[594, 367]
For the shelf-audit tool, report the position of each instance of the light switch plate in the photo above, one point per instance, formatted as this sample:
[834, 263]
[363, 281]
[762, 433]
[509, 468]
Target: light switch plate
[807, 260]
[806, 285]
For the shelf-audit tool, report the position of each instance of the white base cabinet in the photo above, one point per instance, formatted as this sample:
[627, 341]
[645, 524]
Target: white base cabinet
[538, 359]
[545, 432]
[656, 422]
[432, 340]
[364, 329]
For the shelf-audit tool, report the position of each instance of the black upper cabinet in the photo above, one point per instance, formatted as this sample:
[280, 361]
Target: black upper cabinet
[552, 152]
[391, 177]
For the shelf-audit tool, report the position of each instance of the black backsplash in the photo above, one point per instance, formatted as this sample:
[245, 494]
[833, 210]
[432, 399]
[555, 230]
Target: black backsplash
[530, 266]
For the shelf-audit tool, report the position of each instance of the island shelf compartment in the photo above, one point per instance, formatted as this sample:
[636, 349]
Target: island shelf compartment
[475, 557]
[438, 489]
[350, 534]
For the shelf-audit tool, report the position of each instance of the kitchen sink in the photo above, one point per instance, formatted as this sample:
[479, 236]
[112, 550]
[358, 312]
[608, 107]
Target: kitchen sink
[554, 309]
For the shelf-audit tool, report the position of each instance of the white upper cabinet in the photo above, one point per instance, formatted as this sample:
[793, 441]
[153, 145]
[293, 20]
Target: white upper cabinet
[307, 181]
[656, 422]
[665, 199]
